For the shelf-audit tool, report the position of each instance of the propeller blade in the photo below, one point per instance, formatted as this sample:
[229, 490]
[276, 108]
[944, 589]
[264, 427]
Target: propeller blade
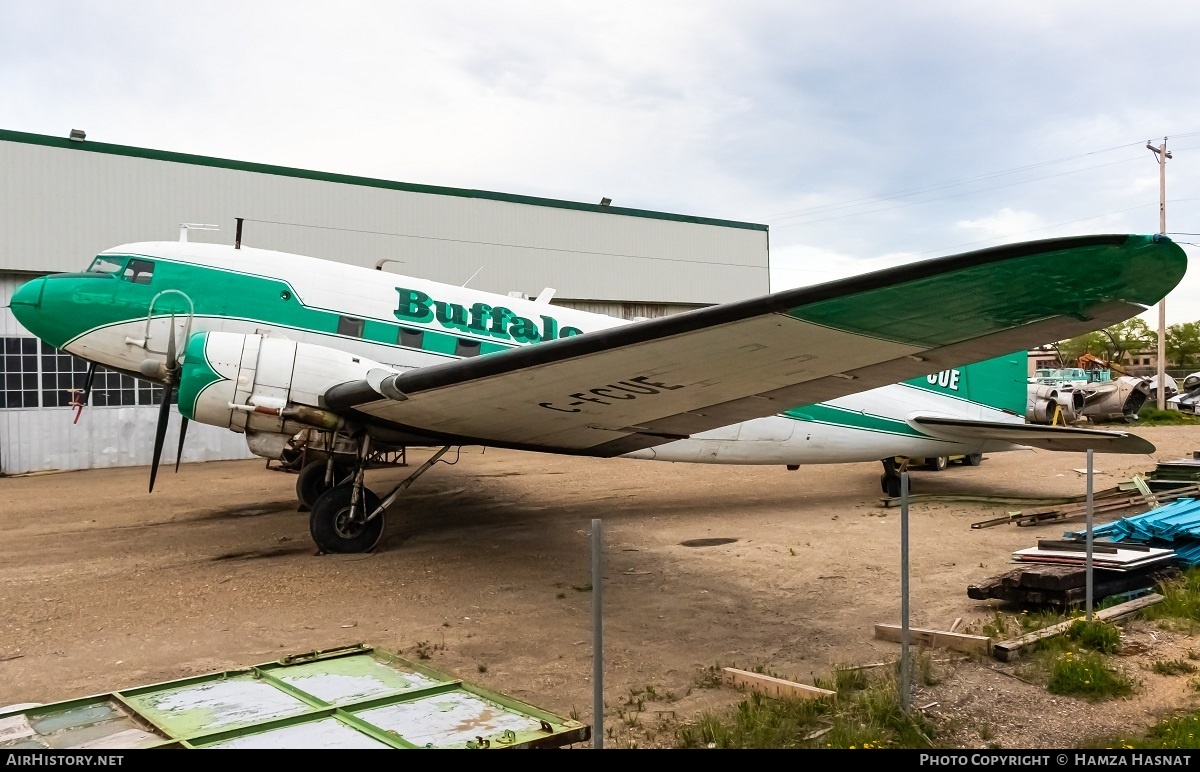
[171, 364]
[183, 422]
[160, 432]
[87, 382]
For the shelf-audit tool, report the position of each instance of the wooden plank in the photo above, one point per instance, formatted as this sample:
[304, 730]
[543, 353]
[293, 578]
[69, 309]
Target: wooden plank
[772, 687]
[1009, 650]
[972, 644]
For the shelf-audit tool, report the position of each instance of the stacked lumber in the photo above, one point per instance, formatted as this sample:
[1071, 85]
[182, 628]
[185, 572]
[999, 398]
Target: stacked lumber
[1106, 501]
[1174, 526]
[1064, 586]
[1170, 476]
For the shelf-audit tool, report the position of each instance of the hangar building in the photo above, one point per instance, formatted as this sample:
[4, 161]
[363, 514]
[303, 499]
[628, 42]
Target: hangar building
[63, 199]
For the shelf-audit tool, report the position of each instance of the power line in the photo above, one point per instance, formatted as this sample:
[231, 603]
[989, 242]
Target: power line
[501, 244]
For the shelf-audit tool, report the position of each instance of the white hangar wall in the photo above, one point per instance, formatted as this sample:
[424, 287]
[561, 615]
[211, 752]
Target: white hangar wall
[62, 201]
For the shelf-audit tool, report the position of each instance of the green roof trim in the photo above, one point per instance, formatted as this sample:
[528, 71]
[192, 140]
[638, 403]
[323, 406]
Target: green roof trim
[63, 143]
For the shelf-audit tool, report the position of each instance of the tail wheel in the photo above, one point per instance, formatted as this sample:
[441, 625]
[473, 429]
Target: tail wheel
[334, 530]
[890, 484]
[975, 459]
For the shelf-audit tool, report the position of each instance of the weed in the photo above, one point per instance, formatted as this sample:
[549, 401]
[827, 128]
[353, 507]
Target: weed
[1181, 599]
[1182, 731]
[423, 651]
[791, 552]
[1149, 416]
[582, 587]
[1192, 655]
[574, 714]
[651, 694]
[864, 714]
[986, 732]
[1039, 619]
[482, 668]
[998, 627]
[1173, 667]
[710, 677]
[1095, 635]
[924, 667]
[1086, 674]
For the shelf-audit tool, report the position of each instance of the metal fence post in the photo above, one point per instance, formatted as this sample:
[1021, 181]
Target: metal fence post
[597, 636]
[905, 636]
[1087, 561]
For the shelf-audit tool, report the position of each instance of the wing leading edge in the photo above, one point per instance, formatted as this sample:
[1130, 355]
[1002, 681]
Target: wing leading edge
[621, 389]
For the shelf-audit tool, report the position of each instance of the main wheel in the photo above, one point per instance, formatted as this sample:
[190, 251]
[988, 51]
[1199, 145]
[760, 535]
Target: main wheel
[975, 459]
[331, 526]
[310, 483]
[939, 464]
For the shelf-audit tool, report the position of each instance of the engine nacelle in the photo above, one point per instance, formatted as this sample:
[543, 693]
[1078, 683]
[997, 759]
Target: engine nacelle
[264, 385]
[1042, 399]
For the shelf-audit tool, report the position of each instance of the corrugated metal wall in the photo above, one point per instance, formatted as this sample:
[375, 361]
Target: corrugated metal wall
[61, 205]
[38, 438]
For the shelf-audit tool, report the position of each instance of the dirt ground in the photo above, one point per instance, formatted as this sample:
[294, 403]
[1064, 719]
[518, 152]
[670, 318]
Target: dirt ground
[485, 566]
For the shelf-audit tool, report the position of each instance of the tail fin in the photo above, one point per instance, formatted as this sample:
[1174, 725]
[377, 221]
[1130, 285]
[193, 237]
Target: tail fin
[998, 383]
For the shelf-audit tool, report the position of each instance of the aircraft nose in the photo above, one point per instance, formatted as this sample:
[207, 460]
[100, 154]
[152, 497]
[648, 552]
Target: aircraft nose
[27, 301]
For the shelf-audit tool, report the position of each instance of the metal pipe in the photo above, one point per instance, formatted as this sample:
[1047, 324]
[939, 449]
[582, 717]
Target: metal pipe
[597, 636]
[1087, 561]
[905, 633]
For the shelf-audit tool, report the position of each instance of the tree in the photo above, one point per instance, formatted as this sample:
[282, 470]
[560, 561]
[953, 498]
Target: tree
[1183, 344]
[1130, 335]
[1111, 343]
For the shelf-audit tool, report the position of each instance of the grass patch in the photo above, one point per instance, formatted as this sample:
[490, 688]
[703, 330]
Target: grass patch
[865, 713]
[1173, 667]
[1087, 674]
[1095, 635]
[1181, 731]
[1152, 416]
[1181, 599]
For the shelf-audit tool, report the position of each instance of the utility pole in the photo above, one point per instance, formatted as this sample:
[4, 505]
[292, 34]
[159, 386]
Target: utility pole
[1161, 155]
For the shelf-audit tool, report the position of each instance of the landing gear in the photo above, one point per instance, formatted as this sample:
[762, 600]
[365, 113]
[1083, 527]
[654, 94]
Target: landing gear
[336, 526]
[974, 459]
[348, 517]
[317, 477]
[939, 463]
[889, 481]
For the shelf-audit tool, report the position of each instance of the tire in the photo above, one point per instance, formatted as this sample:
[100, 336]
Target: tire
[310, 483]
[891, 485]
[328, 526]
[975, 459]
[939, 463]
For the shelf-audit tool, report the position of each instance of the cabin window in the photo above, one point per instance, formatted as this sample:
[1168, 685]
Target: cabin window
[138, 271]
[108, 265]
[466, 348]
[410, 337]
[348, 325]
[1145, 360]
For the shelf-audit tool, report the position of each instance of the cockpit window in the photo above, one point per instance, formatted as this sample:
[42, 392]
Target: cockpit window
[109, 265]
[138, 271]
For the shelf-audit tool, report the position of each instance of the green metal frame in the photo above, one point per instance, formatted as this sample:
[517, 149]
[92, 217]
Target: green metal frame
[554, 730]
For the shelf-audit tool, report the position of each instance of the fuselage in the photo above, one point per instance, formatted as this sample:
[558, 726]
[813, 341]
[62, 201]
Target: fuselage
[121, 311]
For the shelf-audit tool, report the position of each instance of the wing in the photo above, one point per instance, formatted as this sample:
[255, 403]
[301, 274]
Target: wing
[1039, 436]
[618, 390]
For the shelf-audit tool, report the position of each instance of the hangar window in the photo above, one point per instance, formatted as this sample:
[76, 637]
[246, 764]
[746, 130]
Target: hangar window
[19, 373]
[62, 372]
[411, 338]
[466, 348]
[138, 271]
[348, 325]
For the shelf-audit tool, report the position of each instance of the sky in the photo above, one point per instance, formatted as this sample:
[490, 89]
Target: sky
[865, 134]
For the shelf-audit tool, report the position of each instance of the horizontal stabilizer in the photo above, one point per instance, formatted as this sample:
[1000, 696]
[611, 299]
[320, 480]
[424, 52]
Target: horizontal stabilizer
[1063, 438]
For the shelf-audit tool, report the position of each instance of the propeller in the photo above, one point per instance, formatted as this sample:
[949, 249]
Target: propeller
[170, 383]
[183, 422]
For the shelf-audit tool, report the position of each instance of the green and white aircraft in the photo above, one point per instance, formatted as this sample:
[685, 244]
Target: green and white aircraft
[273, 345]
